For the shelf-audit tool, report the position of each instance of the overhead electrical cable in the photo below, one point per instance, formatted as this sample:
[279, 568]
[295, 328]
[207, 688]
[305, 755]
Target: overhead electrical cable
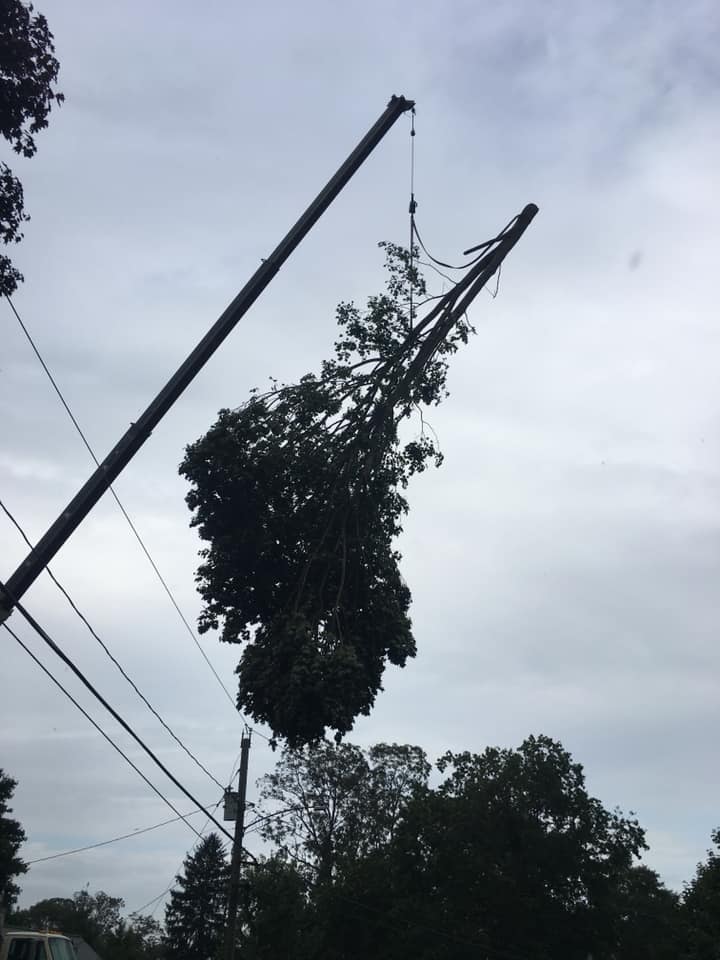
[108, 652]
[254, 824]
[124, 512]
[105, 843]
[100, 730]
[111, 710]
[156, 900]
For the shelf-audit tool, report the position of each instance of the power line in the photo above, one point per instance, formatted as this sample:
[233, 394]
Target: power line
[134, 913]
[100, 729]
[124, 836]
[412, 210]
[156, 900]
[271, 816]
[136, 533]
[99, 697]
[124, 512]
[399, 924]
[108, 652]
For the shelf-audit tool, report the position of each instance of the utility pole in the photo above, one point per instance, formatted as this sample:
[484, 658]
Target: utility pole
[236, 859]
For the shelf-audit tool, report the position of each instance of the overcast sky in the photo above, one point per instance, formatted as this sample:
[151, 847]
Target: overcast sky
[564, 561]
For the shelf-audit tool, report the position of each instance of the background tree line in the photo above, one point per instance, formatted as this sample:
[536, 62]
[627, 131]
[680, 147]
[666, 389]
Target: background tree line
[97, 919]
[506, 856]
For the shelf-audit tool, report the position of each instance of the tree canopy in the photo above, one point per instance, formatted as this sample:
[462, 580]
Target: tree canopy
[649, 922]
[702, 907]
[96, 918]
[12, 837]
[340, 802]
[28, 75]
[502, 854]
[507, 856]
[514, 837]
[299, 494]
[195, 915]
[276, 919]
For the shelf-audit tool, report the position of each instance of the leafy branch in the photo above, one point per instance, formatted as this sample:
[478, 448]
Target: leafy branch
[299, 494]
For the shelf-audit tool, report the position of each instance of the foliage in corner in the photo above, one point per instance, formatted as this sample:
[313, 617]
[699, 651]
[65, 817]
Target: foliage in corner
[701, 913]
[12, 837]
[28, 74]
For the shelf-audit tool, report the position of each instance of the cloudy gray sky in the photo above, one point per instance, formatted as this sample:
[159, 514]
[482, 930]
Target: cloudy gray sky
[564, 561]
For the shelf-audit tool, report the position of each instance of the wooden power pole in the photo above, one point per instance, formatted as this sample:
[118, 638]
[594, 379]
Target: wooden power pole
[236, 859]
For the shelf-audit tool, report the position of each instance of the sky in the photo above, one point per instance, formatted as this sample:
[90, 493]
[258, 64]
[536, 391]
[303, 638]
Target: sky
[563, 561]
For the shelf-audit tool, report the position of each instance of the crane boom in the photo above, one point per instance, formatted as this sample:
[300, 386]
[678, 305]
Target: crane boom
[133, 439]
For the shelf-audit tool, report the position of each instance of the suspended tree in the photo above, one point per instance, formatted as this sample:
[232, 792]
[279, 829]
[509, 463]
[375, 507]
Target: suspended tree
[299, 494]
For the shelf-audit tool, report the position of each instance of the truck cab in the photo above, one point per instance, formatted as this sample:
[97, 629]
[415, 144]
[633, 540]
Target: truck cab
[34, 945]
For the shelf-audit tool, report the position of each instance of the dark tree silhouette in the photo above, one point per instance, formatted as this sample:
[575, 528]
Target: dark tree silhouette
[277, 920]
[95, 917]
[512, 850]
[701, 908]
[649, 918]
[92, 916]
[341, 802]
[12, 837]
[300, 496]
[28, 74]
[195, 915]
[508, 856]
